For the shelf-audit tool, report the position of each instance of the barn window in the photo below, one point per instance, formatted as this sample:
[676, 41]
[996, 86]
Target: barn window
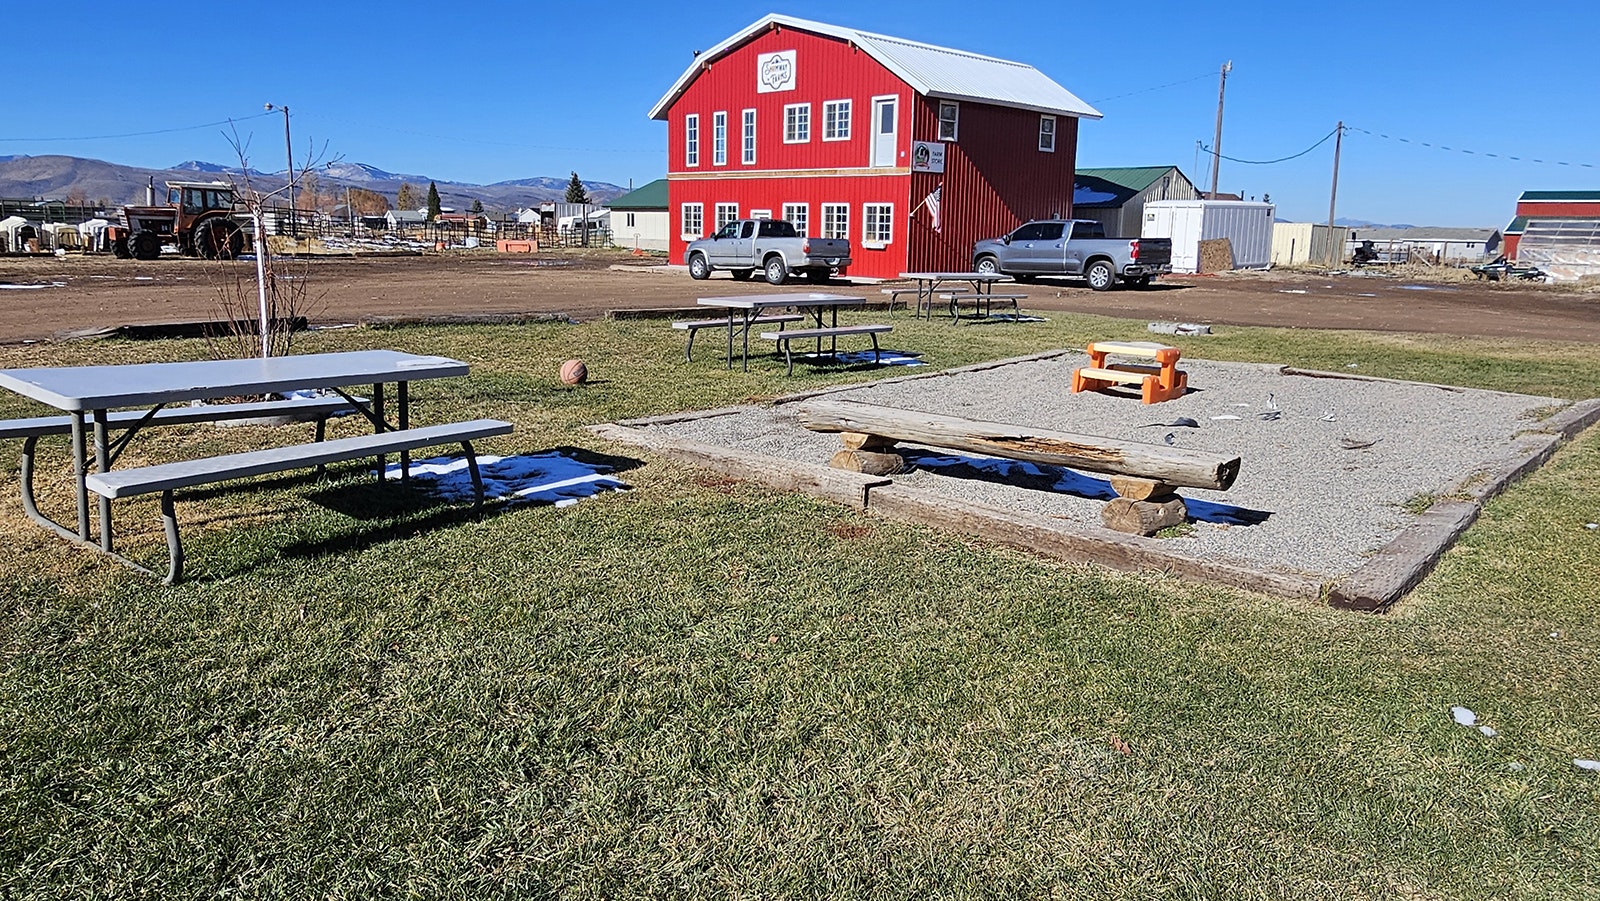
[877, 224]
[836, 120]
[726, 213]
[836, 220]
[630, 220]
[749, 156]
[1047, 134]
[694, 220]
[797, 123]
[691, 140]
[949, 115]
[719, 139]
[799, 214]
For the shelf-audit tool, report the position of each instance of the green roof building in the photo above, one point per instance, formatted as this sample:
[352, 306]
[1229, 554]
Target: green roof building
[1116, 197]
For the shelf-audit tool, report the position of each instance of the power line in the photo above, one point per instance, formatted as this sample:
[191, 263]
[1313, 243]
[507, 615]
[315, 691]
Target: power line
[1279, 160]
[1159, 87]
[1502, 156]
[141, 134]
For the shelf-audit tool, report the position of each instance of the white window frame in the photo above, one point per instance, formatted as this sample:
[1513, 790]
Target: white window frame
[719, 138]
[881, 215]
[748, 144]
[839, 227]
[802, 224]
[954, 123]
[1047, 146]
[698, 211]
[838, 127]
[760, 214]
[691, 139]
[797, 123]
[726, 212]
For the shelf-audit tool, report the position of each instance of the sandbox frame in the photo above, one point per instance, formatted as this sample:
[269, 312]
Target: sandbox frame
[1376, 585]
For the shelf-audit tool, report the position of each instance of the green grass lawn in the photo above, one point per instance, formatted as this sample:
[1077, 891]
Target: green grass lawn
[703, 688]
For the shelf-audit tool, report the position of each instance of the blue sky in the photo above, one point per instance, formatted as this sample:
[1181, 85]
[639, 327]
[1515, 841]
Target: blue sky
[484, 93]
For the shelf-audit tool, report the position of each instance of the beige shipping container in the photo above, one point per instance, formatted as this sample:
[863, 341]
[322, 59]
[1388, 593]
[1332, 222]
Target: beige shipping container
[1300, 243]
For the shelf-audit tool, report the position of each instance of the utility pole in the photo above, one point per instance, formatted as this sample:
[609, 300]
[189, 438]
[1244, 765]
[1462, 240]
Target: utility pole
[1333, 195]
[1216, 143]
[288, 146]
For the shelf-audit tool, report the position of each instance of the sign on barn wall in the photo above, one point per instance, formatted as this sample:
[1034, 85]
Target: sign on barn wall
[775, 72]
[927, 156]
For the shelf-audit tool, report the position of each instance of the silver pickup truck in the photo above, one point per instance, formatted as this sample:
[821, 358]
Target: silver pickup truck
[1074, 247]
[771, 245]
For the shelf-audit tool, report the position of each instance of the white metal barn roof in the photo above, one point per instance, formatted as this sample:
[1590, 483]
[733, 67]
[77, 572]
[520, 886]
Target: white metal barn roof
[933, 71]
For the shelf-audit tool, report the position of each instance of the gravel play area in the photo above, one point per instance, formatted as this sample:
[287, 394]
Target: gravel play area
[1334, 466]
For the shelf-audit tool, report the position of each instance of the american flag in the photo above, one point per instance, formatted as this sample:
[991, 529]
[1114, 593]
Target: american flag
[932, 203]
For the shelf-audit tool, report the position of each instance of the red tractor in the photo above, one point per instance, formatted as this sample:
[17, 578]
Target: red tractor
[199, 217]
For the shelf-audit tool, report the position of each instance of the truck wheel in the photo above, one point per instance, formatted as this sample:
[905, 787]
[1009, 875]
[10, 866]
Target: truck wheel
[145, 245]
[699, 269]
[218, 239]
[818, 276]
[741, 275]
[1101, 276]
[987, 265]
[777, 271]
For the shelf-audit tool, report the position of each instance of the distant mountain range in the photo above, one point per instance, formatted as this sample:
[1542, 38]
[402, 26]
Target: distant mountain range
[58, 177]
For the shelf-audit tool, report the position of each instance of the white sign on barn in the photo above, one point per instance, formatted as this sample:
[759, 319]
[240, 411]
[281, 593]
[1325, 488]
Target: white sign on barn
[927, 156]
[775, 72]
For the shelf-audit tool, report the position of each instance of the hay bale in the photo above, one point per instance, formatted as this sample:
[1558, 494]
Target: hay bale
[1216, 255]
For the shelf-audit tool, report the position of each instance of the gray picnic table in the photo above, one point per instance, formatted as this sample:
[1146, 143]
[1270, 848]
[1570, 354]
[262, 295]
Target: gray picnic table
[928, 283]
[89, 395]
[743, 310]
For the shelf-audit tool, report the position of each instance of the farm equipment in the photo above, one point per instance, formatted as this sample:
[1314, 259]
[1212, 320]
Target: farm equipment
[198, 218]
[1502, 268]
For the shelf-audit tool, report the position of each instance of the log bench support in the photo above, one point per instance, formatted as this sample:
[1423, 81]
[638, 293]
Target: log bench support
[1157, 383]
[1145, 476]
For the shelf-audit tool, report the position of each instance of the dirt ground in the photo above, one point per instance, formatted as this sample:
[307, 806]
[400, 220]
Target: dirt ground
[45, 298]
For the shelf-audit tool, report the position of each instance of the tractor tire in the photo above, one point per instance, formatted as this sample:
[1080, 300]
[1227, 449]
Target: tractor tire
[218, 239]
[145, 245]
[119, 248]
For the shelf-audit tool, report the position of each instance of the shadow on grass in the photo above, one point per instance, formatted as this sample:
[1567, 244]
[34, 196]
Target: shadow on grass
[1060, 480]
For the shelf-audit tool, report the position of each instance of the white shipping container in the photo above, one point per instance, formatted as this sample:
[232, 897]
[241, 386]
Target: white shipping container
[1246, 224]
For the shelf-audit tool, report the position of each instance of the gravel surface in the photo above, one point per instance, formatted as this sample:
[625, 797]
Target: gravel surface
[1323, 484]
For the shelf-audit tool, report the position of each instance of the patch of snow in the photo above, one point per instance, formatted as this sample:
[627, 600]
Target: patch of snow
[32, 287]
[548, 478]
[1463, 716]
[1591, 765]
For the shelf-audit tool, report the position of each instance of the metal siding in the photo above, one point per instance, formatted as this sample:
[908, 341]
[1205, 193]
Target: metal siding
[1545, 208]
[995, 179]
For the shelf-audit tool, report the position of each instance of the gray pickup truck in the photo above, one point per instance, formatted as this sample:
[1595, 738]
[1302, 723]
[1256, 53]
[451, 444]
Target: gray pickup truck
[1074, 247]
[770, 245]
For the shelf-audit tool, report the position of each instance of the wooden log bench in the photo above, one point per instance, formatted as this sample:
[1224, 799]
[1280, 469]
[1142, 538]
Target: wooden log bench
[169, 477]
[982, 303]
[1160, 382]
[1145, 476]
[786, 338]
[695, 325]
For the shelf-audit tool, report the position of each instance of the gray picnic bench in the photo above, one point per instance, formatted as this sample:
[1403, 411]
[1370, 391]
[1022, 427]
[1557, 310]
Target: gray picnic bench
[787, 337]
[692, 326]
[169, 477]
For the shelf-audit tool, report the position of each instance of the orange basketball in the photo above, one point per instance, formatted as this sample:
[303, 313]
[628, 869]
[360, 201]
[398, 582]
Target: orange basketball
[573, 372]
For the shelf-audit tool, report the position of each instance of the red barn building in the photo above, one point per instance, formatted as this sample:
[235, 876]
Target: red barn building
[1547, 205]
[911, 151]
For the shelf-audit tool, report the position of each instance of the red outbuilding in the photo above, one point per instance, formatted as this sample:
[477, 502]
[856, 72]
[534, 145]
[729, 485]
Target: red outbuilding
[913, 152]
